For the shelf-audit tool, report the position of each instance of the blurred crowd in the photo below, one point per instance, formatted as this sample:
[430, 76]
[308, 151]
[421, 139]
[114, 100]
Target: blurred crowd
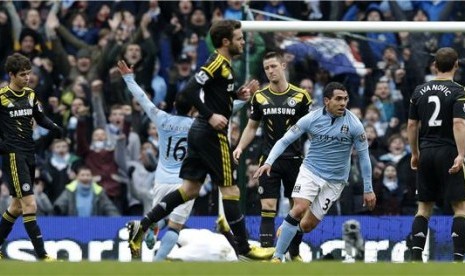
[74, 47]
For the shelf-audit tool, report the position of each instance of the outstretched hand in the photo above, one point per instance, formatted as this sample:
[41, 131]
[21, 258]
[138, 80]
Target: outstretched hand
[124, 69]
[266, 168]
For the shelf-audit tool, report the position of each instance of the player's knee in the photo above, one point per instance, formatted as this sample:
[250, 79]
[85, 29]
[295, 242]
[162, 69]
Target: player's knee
[28, 205]
[230, 191]
[308, 225]
[268, 204]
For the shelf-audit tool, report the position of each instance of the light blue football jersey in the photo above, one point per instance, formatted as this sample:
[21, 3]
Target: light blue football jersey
[172, 134]
[331, 143]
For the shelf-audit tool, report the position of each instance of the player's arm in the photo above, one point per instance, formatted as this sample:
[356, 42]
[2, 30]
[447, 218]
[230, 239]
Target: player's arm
[413, 127]
[280, 146]
[247, 137]
[459, 134]
[44, 121]
[361, 145]
[192, 91]
[137, 92]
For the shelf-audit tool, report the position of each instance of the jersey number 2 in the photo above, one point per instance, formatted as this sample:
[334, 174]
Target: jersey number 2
[433, 121]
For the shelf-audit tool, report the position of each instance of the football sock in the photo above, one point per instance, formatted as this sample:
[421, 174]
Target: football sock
[162, 209]
[236, 221]
[289, 228]
[167, 243]
[267, 233]
[419, 232]
[33, 231]
[6, 224]
[232, 241]
[295, 244]
[458, 237]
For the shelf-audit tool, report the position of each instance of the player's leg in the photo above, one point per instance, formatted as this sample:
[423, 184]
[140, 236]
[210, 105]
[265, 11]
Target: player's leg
[8, 219]
[455, 194]
[268, 215]
[290, 172]
[177, 219]
[428, 182]
[269, 192]
[23, 170]
[458, 230]
[189, 190]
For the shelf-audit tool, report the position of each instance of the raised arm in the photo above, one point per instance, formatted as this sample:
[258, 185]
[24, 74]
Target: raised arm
[137, 92]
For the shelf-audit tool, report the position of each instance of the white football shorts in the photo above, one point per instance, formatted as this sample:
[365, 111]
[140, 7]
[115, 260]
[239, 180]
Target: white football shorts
[318, 191]
[181, 213]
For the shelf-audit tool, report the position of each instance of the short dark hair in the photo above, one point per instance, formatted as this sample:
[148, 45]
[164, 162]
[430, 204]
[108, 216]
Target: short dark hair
[16, 63]
[445, 59]
[223, 29]
[183, 105]
[273, 54]
[83, 168]
[328, 92]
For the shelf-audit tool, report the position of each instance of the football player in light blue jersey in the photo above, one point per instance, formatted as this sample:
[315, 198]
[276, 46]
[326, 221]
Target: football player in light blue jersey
[333, 132]
[172, 132]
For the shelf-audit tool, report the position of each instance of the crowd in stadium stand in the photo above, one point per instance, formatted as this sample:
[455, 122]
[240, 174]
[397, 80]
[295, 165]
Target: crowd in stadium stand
[74, 47]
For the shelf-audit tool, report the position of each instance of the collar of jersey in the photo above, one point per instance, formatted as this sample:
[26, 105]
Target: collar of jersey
[279, 93]
[17, 94]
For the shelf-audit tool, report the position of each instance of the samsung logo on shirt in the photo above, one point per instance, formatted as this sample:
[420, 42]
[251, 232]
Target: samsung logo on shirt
[21, 112]
[278, 110]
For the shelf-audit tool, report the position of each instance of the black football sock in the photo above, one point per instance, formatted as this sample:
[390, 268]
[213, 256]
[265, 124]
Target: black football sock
[6, 225]
[267, 233]
[164, 208]
[419, 232]
[237, 223]
[33, 231]
[458, 238]
[295, 243]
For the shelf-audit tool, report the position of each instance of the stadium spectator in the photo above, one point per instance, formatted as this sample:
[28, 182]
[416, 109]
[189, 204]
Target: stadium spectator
[83, 197]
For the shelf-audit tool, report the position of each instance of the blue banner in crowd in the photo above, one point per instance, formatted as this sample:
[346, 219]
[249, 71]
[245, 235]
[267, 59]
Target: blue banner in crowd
[100, 238]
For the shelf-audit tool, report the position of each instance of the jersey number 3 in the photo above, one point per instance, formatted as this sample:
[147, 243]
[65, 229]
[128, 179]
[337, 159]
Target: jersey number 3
[433, 121]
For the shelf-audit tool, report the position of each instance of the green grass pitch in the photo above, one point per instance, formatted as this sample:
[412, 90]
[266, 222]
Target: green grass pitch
[231, 268]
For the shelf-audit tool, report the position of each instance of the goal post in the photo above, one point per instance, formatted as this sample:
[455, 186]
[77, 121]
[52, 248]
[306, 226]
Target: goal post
[354, 26]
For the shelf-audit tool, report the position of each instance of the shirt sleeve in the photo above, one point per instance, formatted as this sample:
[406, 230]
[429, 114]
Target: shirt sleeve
[289, 137]
[152, 111]
[192, 90]
[361, 145]
[459, 107]
[413, 109]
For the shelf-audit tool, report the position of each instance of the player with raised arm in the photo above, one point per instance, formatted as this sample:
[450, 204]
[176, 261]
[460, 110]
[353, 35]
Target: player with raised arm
[334, 131]
[172, 132]
[212, 92]
[436, 133]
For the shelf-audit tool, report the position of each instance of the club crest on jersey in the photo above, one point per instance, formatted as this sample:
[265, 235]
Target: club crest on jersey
[363, 137]
[291, 102]
[345, 129]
